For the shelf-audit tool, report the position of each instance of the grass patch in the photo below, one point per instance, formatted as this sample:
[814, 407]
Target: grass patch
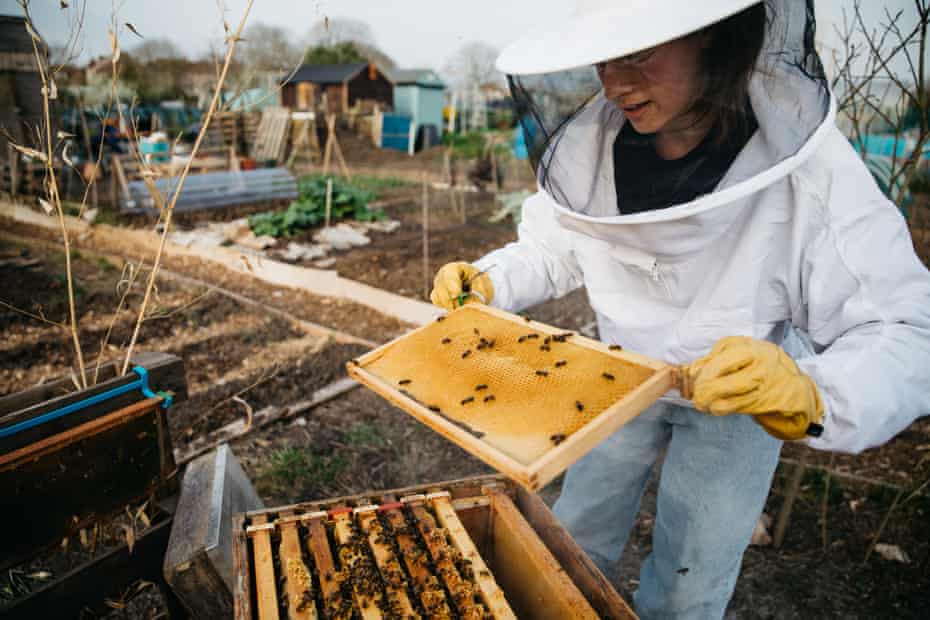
[292, 466]
[363, 434]
[105, 264]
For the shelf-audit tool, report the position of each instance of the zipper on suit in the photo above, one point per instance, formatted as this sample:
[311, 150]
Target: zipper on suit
[644, 262]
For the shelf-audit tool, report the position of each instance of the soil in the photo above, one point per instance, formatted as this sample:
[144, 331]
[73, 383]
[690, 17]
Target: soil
[359, 442]
[394, 261]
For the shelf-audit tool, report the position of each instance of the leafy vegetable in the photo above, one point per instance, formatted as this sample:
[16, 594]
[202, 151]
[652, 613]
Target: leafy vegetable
[309, 210]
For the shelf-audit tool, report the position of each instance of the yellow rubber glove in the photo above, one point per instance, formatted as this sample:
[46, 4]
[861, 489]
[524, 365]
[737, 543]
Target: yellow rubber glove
[745, 375]
[457, 284]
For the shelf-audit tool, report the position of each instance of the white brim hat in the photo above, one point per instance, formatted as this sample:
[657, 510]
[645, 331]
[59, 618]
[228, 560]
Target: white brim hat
[600, 30]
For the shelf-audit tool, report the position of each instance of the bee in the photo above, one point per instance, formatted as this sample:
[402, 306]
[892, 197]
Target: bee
[477, 333]
[521, 339]
[353, 361]
[545, 347]
[467, 399]
[608, 376]
[466, 353]
[489, 398]
[579, 406]
[615, 347]
[542, 373]
[404, 382]
[547, 340]
[446, 340]
[434, 408]
[527, 319]
[440, 319]
[560, 363]
[481, 386]
[557, 438]
[532, 336]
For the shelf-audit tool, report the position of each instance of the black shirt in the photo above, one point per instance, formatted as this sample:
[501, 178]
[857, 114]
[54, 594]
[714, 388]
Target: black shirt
[646, 182]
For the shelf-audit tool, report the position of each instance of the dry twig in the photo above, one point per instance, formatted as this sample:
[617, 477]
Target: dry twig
[169, 211]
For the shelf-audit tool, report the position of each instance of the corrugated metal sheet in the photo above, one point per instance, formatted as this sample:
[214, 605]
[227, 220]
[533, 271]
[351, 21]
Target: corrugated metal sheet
[215, 190]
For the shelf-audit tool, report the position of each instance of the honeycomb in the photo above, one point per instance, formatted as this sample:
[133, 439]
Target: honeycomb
[519, 388]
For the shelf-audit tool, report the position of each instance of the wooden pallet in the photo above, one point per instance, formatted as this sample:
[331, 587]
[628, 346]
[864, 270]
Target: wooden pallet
[271, 136]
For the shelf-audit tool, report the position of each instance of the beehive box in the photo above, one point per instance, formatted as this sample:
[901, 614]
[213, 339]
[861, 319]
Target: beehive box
[476, 548]
[526, 398]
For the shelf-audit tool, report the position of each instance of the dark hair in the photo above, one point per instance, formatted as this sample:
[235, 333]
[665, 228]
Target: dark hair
[728, 60]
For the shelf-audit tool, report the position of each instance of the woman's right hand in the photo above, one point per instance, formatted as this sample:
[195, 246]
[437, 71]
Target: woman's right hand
[457, 284]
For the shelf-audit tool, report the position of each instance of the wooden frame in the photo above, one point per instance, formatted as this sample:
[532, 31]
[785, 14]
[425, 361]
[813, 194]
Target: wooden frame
[489, 508]
[540, 472]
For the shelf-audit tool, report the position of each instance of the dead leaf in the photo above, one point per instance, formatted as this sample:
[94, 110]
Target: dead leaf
[855, 503]
[133, 30]
[52, 91]
[30, 153]
[46, 206]
[114, 46]
[140, 515]
[760, 535]
[130, 535]
[41, 575]
[248, 410]
[65, 157]
[63, 4]
[117, 605]
[892, 553]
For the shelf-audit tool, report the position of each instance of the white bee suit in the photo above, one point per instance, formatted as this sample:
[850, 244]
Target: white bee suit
[792, 247]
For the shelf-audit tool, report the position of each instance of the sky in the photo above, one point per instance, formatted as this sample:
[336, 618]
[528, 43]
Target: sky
[416, 33]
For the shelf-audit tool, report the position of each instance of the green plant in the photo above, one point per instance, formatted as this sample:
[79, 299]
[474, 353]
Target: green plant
[289, 466]
[469, 145]
[105, 265]
[362, 434]
[309, 210]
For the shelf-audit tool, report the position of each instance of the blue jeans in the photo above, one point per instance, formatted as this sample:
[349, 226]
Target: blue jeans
[715, 479]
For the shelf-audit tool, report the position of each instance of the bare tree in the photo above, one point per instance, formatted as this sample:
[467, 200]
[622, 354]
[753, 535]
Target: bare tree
[881, 85]
[269, 48]
[150, 50]
[329, 32]
[472, 66]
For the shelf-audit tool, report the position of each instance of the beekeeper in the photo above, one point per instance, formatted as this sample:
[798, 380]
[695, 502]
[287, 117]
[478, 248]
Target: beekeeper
[691, 177]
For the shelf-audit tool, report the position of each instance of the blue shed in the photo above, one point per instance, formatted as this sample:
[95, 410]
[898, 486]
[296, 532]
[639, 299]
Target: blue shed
[418, 95]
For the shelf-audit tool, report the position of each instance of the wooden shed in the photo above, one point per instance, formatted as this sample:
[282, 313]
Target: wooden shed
[342, 86]
[20, 84]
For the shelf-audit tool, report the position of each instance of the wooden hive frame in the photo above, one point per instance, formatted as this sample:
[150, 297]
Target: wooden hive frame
[557, 459]
[523, 561]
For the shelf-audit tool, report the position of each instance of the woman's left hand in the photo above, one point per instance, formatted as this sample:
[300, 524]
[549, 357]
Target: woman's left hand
[745, 375]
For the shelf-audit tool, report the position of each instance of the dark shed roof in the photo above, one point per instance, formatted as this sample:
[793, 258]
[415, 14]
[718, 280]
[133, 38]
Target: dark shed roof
[326, 74]
[13, 35]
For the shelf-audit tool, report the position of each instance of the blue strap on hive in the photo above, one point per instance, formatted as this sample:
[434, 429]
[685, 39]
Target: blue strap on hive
[142, 383]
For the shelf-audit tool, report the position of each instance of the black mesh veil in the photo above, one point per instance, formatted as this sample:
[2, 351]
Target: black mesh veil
[571, 127]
